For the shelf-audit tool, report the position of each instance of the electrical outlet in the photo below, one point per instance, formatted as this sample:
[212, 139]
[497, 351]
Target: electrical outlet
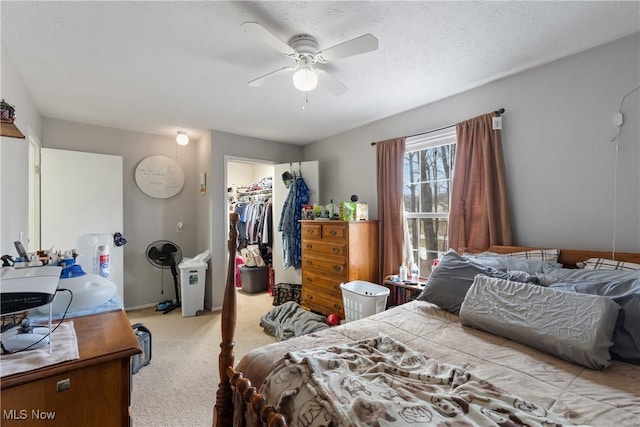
[497, 123]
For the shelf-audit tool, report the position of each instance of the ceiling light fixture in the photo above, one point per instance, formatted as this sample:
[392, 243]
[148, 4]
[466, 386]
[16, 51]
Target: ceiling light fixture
[182, 138]
[305, 79]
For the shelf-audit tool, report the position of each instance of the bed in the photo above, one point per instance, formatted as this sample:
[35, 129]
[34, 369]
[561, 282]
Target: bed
[546, 388]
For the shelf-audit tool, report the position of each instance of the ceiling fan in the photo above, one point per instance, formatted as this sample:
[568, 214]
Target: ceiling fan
[308, 58]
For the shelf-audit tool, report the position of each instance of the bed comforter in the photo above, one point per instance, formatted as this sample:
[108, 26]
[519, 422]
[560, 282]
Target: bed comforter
[609, 397]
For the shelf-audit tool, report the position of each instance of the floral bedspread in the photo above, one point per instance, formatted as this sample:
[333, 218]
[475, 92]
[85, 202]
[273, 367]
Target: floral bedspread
[382, 382]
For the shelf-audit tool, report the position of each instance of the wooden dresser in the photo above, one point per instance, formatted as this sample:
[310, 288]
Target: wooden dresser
[335, 252]
[94, 390]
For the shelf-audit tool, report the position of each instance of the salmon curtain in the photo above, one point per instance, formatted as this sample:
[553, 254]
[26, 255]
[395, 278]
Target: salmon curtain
[390, 170]
[479, 215]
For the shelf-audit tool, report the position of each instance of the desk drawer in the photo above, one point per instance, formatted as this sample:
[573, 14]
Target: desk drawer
[65, 398]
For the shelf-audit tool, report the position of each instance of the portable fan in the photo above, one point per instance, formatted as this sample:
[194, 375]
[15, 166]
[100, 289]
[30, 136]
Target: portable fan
[164, 254]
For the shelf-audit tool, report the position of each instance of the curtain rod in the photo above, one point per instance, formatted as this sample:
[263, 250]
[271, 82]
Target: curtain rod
[499, 112]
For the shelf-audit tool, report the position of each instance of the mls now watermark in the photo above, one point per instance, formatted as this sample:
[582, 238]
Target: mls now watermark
[24, 414]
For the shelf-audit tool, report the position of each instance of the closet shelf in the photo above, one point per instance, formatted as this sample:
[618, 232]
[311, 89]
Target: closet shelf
[254, 192]
[254, 195]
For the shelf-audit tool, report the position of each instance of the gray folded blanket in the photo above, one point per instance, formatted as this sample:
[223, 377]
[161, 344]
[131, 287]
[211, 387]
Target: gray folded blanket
[290, 320]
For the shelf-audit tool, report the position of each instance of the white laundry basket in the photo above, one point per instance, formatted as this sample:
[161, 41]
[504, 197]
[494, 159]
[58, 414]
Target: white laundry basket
[361, 299]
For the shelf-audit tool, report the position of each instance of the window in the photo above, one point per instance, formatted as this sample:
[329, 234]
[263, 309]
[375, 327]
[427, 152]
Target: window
[428, 169]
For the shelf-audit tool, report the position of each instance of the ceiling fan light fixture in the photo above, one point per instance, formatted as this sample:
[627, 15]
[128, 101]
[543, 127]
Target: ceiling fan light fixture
[182, 138]
[305, 79]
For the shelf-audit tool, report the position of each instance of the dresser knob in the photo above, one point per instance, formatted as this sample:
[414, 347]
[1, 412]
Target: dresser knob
[309, 246]
[337, 306]
[336, 250]
[309, 280]
[333, 232]
[309, 262]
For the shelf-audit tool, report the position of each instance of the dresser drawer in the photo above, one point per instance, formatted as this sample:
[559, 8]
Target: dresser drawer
[334, 231]
[311, 231]
[336, 267]
[317, 308]
[318, 246]
[315, 299]
[323, 283]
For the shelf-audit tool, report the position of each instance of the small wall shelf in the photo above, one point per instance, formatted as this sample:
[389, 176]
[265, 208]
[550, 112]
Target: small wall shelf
[8, 128]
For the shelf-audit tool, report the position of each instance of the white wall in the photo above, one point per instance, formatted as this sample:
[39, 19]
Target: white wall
[203, 207]
[245, 174]
[146, 219]
[14, 158]
[559, 158]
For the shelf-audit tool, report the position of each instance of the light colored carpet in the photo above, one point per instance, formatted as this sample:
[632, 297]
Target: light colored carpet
[178, 387]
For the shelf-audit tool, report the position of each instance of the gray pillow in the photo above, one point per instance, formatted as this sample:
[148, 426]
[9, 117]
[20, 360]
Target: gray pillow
[449, 281]
[626, 293]
[506, 262]
[551, 275]
[576, 327]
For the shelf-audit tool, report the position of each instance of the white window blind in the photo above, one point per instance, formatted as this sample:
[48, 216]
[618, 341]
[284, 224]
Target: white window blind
[431, 139]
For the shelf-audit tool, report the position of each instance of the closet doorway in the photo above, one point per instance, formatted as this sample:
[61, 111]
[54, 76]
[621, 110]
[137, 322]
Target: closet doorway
[246, 171]
[250, 194]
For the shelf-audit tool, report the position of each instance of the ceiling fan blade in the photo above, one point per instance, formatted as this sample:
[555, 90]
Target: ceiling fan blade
[267, 37]
[362, 44]
[332, 84]
[270, 76]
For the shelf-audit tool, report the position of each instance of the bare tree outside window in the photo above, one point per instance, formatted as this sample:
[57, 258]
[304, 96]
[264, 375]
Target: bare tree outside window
[428, 169]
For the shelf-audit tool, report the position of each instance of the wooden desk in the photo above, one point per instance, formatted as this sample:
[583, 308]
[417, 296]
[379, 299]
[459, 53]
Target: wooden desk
[94, 390]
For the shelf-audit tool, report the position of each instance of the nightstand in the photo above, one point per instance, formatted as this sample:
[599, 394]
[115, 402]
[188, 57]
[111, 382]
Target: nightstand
[402, 292]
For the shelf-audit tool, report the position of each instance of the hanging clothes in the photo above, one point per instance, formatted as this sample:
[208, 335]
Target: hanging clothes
[241, 209]
[298, 196]
[253, 217]
[265, 236]
[254, 222]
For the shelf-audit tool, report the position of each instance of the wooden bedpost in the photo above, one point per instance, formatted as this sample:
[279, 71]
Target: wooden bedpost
[223, 410]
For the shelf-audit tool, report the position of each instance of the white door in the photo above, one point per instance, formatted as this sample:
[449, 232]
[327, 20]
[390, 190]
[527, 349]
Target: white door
[81, 193]
[311, 174]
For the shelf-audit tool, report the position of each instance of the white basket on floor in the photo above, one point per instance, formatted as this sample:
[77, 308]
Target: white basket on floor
[361, 299]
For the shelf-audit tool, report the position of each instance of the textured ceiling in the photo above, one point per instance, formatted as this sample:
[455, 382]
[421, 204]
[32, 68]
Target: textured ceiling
[160, 66]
